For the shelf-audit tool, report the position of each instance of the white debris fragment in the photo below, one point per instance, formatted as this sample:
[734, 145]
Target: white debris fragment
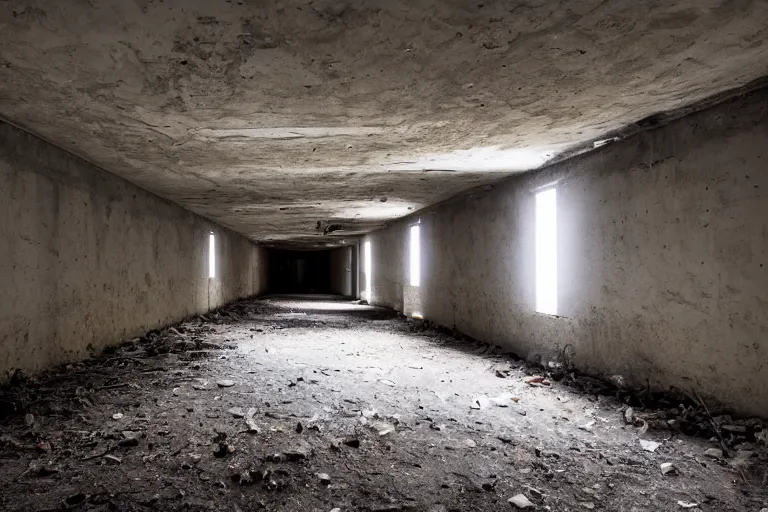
[649, 446]
[667, 468]
[687, 504]
[252, 426]
[520, 501]
[383, 427]
[237, 412]
[480, 402]
[618, 381]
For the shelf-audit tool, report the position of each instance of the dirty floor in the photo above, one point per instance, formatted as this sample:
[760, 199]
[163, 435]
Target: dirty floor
[319, 405]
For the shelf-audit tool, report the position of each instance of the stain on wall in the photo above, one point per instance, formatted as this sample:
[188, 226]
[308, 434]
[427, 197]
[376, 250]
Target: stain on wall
[87, 259]
[662, 258]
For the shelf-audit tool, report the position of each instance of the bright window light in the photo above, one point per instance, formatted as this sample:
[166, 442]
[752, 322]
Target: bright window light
[546, 252]
[368, 269]
[211, 256]
[415, 257]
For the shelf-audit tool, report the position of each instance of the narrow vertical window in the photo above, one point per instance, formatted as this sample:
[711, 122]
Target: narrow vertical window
[211, 256]
[367, 267]
[415, 256]
[546, 252]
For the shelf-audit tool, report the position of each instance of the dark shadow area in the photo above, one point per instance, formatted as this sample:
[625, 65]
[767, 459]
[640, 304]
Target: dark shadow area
[299, 272]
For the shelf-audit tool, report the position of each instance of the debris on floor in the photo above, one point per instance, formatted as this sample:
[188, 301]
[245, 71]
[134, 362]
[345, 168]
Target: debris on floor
[353, 408]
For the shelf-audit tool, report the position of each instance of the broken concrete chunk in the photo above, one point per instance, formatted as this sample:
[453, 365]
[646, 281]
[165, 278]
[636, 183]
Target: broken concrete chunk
[252, 426]
[225, 383]
[537, 494]
[382, 427]
[520, 501]
[649, 446]
[667, 468]
[237, 412]
[469, 443]
[324, 478]
[629, 416]
[714, 453]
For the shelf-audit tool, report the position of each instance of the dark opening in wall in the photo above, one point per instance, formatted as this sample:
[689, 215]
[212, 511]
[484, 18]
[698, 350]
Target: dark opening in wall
[299, 272]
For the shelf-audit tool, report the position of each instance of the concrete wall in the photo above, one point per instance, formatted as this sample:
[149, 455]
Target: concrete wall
[342, 282]
[663, 259]
[88, 259]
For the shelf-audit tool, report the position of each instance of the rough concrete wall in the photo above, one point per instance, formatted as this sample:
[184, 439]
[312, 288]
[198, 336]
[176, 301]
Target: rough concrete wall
[388, 260]
[663, 259]
[88, 259]
[341, 271]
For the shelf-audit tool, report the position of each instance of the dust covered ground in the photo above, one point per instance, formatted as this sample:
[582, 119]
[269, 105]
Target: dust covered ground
[320, 405]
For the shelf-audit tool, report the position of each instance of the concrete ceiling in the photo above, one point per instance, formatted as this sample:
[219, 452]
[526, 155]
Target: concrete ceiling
[269, 116]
